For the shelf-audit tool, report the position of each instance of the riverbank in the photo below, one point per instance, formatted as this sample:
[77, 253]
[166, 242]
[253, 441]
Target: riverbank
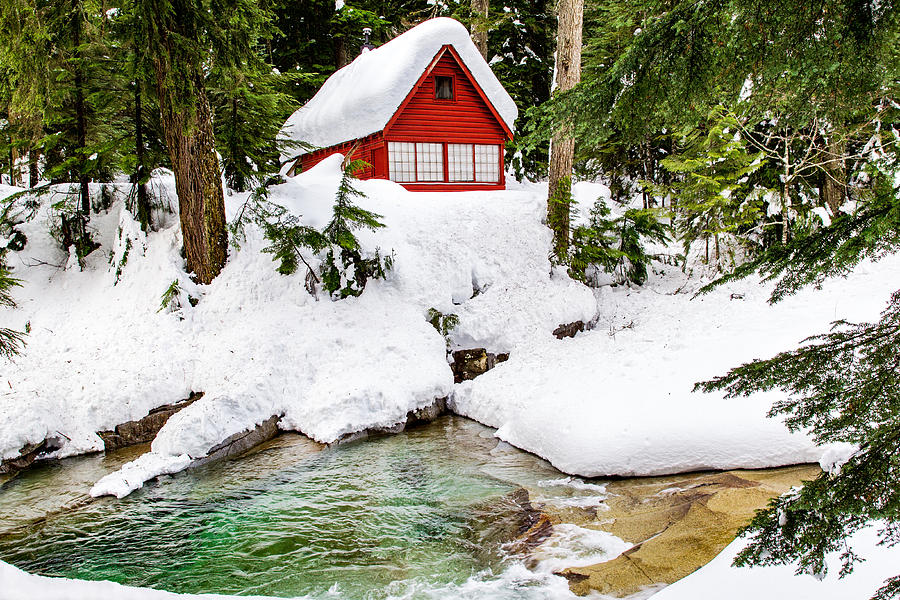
[555, 522]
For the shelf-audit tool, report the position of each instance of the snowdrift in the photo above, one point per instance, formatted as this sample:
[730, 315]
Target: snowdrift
[616, 400]
[256, 343]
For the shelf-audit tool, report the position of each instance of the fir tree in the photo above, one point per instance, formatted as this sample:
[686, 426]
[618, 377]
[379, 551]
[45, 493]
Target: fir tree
[345, 269]
[182, 34]
[712, 192]
[615, 245]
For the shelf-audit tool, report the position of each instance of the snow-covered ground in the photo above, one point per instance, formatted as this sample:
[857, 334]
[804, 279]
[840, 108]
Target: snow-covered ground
[617, 400]
[719, 579]
[257, 344]
[614, 400]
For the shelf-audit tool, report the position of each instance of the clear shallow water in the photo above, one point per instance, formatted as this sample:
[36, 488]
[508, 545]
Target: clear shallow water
[427, 513]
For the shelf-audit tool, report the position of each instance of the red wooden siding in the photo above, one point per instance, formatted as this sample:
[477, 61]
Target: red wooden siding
[372, 149]
[466, 119]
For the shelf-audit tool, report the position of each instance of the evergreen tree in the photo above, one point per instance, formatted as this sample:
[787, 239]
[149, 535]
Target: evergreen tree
[843, 386]
[714, 191]
[562, 146]
[521, 41]
[345, 269]
[615, 245]
[183, 35]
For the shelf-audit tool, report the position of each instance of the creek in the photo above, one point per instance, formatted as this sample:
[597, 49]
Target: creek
[440, 511]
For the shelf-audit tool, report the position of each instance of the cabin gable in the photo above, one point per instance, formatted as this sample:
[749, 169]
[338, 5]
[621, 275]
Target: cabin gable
[467, 117]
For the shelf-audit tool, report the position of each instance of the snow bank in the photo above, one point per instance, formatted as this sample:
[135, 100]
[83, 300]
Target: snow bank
[617, 400]
[256, 343]
[361, 98]
[719, 579]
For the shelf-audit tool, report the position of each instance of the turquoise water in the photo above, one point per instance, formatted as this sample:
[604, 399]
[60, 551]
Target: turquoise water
[424, 513]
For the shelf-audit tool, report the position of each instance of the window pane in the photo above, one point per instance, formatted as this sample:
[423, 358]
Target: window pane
[487, 162]
[402, 161]
[443, 88]
[429, 162]
[461, 162]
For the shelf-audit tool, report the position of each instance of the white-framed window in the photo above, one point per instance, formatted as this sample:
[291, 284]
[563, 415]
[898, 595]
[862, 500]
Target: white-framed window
[409, 162]
[429, 161]
[461, 162]
[487, 162]
[402, 161]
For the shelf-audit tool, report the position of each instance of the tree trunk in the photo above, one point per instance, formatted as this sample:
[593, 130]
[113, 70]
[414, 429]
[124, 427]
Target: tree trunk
[143, 201]
[340, 53]
[786, 197]
[12, 166]
[562, 146]
[191, 144]
[479, 27]
[834, 177]
[80, 124]
[33, 175]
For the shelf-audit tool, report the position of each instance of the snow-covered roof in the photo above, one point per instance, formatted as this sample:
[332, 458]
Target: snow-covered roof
[361, 98]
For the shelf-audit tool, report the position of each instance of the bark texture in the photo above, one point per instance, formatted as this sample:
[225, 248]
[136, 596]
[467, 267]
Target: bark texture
[834, 177]
[80, 118]
[143, 200]
[188, 131]
[479, 29]
[562, 147]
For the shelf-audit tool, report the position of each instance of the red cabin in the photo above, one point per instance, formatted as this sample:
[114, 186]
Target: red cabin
[424, 110]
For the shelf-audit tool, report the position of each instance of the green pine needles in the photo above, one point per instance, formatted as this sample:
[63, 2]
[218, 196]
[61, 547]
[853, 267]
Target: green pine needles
[11, 341]
[844, 386]
[344, 267]
[615, 245]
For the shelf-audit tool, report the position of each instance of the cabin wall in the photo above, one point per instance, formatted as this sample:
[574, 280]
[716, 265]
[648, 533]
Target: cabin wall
[371, 149]
[466, 119]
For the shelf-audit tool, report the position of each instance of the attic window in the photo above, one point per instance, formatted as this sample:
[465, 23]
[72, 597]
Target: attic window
[443, 88]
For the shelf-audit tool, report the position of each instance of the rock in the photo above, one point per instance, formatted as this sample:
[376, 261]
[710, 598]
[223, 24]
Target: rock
[510, 520]
[568, 330]
[414, 418]
[145, 429]
[469, 364]
[427, 414]
[678, 524]
[27, 455]
[241, 442]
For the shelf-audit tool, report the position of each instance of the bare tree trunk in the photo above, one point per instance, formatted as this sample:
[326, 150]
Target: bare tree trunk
[80, 119]
[786, 196]
[834, 178]
[341, 58]
[12, 166]
[33, 175]
[562, 146]
[189, 137]
[479, 28]
[143, 201]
